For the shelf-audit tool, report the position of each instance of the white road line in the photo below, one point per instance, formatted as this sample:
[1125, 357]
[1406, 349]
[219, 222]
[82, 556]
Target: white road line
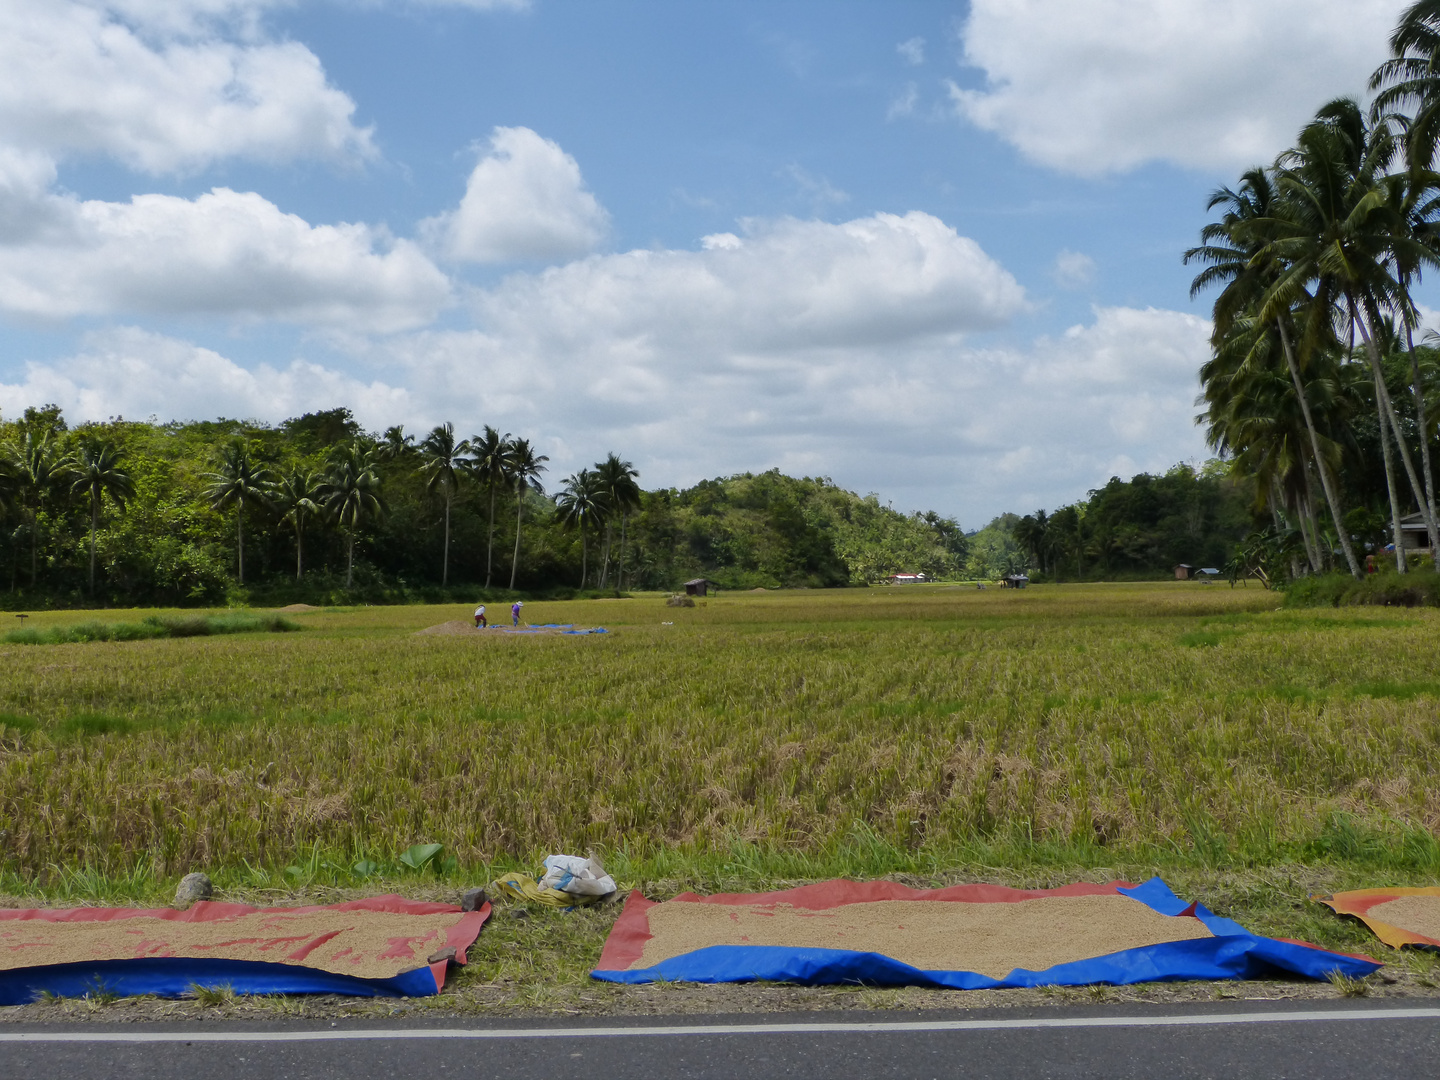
[710, 1030]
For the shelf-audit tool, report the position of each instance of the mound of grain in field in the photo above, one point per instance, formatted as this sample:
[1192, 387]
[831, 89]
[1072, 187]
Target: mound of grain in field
[1416, 914]
[932, 935]
[297, 609]
[454, 626]
[363, 944]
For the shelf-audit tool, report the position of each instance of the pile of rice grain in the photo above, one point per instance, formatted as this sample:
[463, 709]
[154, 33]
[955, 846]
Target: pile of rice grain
[1417, 914]
[365, 944]
[932, 935]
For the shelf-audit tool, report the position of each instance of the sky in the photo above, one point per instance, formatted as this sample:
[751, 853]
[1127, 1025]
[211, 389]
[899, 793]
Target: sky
[929, 250]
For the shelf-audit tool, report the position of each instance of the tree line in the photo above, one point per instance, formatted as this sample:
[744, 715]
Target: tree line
[317, 509]
[1316, 391]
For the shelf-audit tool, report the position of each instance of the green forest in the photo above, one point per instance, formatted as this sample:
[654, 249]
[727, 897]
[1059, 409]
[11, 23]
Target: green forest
[317, 510]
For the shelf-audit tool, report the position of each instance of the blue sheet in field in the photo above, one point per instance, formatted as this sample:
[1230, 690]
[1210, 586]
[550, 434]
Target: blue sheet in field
[1232, 953]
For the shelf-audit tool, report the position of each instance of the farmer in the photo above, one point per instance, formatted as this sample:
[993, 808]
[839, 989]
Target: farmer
[515, 612]
[480, 617]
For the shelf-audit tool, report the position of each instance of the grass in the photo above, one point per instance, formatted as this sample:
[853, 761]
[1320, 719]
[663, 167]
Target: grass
[149, 628]
[758, 739]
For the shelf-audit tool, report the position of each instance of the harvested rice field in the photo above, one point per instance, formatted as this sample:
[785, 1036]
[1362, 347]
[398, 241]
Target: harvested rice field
[1103, 719]
[930, 734]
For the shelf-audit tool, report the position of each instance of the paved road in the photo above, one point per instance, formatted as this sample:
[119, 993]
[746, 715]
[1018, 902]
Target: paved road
[1341, 1040]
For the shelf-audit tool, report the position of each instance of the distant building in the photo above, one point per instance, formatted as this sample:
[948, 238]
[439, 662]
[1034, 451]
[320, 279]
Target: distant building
[908, 579]
[700, 587]
[1412, 529]
[1184, 571]
[1014, 581]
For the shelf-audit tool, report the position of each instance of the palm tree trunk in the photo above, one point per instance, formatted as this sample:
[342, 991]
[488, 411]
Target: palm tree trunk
[1383, 392]
[350, 560]
[490, 543]
[1332, 498]
[240, 538]
[605, 565]
[445, 558]
[299, 548]
[1390, 489]
[34, 547]
[1433, 525]
[94, 524]
[519, 514]
[584, 566]
[620, 573]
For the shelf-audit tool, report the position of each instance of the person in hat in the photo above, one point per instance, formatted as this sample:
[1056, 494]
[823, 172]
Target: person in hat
[515, 612]
[480, 617]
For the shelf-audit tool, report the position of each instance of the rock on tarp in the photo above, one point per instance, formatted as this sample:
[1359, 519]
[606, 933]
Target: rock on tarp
[1205, 946]
[383, 946]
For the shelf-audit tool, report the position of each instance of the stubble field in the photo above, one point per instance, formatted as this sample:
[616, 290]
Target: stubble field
[796, 733]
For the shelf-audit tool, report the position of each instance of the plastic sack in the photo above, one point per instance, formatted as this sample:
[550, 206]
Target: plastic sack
[577, 876]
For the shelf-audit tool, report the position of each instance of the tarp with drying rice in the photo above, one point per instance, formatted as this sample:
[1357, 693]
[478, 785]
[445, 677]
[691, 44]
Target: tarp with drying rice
[383, 946]
[459, 627]
[966, 937]
[1397, 916]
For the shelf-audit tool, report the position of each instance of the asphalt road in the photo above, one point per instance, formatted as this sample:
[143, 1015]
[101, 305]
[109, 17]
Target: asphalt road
[1343, 1039]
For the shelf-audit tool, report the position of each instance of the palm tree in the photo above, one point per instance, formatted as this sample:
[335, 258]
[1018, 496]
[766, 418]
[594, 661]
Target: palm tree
[1410, 79]
[395, 444]
[1344, 233]
[523, 467]
[241, 481]
[95, 469]
[298, 496]
[488, 452]
[442, 466]
[352, 495]
[581, 501]
[1237, 255]
[622, 493]
[38, 468]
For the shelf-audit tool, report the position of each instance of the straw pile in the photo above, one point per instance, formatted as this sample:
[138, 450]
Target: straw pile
[932, 935]
[296, 609]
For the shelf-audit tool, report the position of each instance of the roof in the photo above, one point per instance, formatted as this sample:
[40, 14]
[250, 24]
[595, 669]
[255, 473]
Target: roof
[701, 581]
[1209, 570]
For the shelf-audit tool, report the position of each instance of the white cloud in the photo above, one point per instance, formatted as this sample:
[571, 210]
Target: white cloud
[905, 103]
[912, 51]
[225, 253]
[165, 87]
[1106, 85]
[131, 372]
[1073, 270]
[847, 350]
[815, 190]
[525, 200]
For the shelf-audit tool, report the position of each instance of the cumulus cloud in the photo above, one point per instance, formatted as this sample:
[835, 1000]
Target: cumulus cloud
[853, 350]
[225, 253]
[165, 87]
[126, 371]
[1106, 85]
[525, 200]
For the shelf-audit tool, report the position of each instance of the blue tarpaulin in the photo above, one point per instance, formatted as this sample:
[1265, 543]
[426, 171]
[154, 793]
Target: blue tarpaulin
[1233, 953]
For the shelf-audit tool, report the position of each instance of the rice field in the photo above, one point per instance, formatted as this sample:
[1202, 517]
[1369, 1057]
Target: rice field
[760, 735]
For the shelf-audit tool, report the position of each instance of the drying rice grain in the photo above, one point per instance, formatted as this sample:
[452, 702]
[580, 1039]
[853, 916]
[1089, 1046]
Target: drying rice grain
[932, 935]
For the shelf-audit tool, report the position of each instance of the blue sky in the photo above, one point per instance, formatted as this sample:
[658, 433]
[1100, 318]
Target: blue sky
[930, 250]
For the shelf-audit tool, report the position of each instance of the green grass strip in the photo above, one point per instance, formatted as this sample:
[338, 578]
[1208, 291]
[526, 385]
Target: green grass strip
[154, 626]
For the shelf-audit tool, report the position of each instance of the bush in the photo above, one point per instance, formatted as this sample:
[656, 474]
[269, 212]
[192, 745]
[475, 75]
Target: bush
[1419, 588]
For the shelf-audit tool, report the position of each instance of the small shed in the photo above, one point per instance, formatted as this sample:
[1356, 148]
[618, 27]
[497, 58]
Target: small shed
[1184, 571]
[1416, 536]
[1014, 581]
[908, 579]
[700, 587]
